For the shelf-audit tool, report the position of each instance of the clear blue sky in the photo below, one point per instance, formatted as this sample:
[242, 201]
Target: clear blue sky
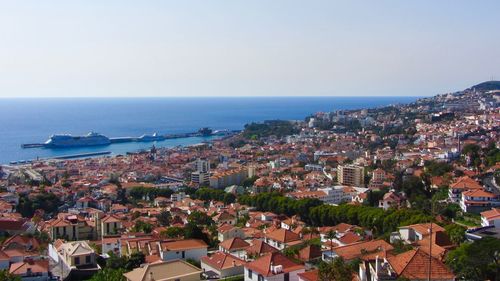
[231, 48]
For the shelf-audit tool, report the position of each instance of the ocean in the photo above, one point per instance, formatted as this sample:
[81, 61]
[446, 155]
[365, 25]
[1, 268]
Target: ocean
[34, 120]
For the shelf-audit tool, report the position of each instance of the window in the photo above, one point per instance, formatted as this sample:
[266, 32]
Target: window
[183, 254]
[249, 273]
[77, 260]
[287, 277]
[87, 259]
[261, 278]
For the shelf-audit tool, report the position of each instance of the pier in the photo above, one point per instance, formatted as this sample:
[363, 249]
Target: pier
[204, 132]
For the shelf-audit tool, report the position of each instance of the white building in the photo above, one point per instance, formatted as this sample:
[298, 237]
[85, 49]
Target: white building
[273, 267]
[183, 249]
[491, 218]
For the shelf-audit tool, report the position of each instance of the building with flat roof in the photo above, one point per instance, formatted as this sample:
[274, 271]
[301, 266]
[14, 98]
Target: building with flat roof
[166, 270]
[352, 175]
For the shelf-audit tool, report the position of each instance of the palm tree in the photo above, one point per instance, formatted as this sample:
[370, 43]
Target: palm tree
[330, 235]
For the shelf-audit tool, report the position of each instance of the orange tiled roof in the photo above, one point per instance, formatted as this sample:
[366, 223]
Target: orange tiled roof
[221, 261]
[183, 244]
[260, 247]
[414, 264]
[363, 249]
[283, 235]
[235, 243]
[263, 264]
[491, 214]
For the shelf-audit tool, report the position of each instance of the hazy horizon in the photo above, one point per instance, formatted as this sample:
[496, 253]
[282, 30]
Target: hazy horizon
[196, 48]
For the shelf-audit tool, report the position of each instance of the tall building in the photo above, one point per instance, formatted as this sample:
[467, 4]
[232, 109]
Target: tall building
[202, 165]
[202, 173]
[352, 175]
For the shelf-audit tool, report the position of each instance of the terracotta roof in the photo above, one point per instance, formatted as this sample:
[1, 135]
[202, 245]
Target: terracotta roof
[491, 214]
[220, 260]
[365, 249]
[263, 264]
[479, 193]
[309, 275]
[283, 235]
[414, 264]
[423, 228]
[235, 243]
[183, 244]
[309, 253]
[466, 183]
[349, 238]
[20, 268]
[260, 247]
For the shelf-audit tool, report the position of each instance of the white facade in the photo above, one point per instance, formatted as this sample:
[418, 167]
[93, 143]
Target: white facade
[223, 273]
[254, 276]
[194, 254]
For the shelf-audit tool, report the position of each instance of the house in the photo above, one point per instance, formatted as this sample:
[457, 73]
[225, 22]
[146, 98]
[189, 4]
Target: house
[282, 238]
[460, 185]
[235, 246]
[438, 244]
[362, 250]
[309, 253]
[74, 254]
[222, 265]
[478, 200]
[227, 231]
[410, 265]
[491, 218]
[391, 200]
[110, 225]
[32, 270]
[183, 249]
[12, 226]
[166, 270]
[111, 244]
[70, 227]
[273, 266]
[225, 218]
[259, 248]
[22, 242]
[312, 275]
[416, 232]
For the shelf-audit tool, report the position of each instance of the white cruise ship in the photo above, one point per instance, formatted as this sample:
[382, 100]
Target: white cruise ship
[91, 139]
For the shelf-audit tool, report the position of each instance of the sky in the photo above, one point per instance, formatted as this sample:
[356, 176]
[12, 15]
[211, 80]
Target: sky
[189, 48]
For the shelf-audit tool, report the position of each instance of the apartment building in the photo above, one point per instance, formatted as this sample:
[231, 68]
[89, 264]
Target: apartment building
[351, 175]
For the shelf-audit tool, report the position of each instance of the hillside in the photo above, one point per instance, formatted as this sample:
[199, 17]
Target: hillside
[487, 86]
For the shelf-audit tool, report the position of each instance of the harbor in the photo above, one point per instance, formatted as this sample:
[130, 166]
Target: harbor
[95, 139]
[63, 157]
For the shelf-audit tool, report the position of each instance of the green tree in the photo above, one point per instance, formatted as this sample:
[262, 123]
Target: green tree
[109, 274]
[6, 276]
[135, 260]
[456, 233]
[173, 232]
[200, 218]
[337, 270]
[115, 262]
[479, 260]
[164, 218]
[192, 231]
[141, 226]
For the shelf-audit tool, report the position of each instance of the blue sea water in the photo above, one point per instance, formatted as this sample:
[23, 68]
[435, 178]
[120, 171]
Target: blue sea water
[34, 120]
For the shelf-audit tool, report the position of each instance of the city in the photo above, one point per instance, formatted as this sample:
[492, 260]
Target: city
[403, 192]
